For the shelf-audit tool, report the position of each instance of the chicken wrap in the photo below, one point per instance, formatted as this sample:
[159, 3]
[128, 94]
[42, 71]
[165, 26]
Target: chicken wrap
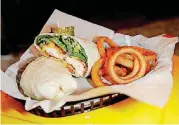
[77, 54]
[44, 79]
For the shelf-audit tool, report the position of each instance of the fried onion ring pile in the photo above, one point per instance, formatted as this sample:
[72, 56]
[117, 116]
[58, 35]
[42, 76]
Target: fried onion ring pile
[121, 64]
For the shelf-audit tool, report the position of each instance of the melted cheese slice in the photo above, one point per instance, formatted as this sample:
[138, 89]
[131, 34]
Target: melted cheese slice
[45, 78]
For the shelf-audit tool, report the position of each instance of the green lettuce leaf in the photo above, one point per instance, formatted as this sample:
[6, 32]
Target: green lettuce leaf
[67, 44]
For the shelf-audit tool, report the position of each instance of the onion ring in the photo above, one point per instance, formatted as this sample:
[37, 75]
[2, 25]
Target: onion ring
[120, 71]
[96, 78]
[100, 45]
[110, 51]
[127, 59]
[153, 64]
[129, 63]
[151, 57]
[128, 56]
[135, 69]
[108, 78]
[102, 71]
[125, 62]
[113, 58]
[148, 67]
[121, 60]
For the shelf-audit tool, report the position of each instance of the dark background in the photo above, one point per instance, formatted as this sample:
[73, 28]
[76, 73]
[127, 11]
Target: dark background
[23, 19]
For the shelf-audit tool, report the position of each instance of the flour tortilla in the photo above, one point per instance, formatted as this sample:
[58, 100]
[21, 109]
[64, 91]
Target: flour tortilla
[89, 47]
[46, 78]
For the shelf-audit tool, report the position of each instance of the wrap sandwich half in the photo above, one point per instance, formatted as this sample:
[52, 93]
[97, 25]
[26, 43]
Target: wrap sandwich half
[43, 79]
[77, 54]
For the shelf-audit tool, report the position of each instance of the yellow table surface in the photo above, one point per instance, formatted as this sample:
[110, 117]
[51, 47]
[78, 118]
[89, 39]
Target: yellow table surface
[127, 111]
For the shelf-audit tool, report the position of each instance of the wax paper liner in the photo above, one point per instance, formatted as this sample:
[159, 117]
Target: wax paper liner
[153, 89]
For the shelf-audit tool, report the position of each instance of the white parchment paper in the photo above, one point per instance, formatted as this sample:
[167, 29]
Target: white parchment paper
[153, 89]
